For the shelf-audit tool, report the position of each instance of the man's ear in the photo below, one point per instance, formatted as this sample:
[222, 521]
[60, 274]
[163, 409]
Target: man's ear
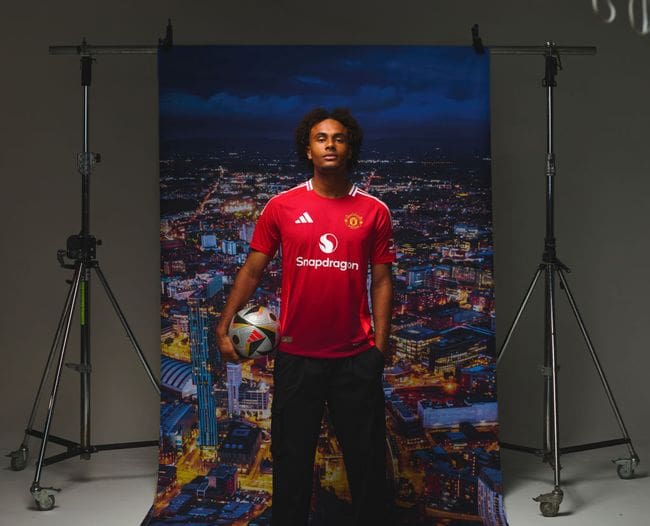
[308, 152]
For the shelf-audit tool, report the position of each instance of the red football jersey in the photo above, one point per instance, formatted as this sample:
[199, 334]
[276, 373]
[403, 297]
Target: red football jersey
[327, 246]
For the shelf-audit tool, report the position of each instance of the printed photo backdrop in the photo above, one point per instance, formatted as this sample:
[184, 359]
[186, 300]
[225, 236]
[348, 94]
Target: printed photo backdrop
[227, 115]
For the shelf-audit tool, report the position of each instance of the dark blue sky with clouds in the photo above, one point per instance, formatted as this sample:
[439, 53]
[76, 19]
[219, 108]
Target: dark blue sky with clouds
[263, 91]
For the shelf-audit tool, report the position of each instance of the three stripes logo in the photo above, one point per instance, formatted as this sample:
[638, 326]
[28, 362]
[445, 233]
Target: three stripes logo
[255, 336]
[304, 218]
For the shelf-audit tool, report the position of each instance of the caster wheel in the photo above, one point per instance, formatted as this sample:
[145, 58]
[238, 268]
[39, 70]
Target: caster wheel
[18, 459]
[549, 503]
[625, 471]
[549, 509]
[18, 463]
[44, 502]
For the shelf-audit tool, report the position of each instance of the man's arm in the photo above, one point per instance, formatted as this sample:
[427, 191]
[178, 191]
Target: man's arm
[246, 281]
[381, 291]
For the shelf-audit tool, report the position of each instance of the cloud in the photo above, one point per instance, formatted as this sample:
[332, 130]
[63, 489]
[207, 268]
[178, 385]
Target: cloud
[375, 98]
[266, 90]
[460, 91]
[224, 104]
[313, 81]
[367, 98]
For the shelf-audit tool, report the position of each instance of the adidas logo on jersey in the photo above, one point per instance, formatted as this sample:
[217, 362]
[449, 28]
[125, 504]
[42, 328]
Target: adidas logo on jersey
[304, 218]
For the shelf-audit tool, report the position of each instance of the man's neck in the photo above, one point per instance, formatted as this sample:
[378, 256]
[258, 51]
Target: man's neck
[331, 186]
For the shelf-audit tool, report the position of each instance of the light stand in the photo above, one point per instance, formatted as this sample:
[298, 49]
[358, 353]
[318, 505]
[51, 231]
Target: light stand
[81, 250]
[553, 270]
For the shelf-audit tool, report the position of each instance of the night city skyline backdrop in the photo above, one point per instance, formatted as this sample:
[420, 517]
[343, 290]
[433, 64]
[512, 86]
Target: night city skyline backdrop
[227, 120]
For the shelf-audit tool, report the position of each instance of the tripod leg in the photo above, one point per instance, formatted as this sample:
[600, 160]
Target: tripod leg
[19, 457]
[522, 307]
[84, 364]
[547, 439]
[553, 365]
[634, 458]
[128, 330]
[43, 496]
[547, 369]
[550, 502]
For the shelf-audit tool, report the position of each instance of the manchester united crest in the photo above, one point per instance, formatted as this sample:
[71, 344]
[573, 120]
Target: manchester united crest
[353, 220]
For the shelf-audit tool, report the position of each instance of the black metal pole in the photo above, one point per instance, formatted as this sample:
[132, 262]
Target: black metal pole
[84, 292]
[549, 256]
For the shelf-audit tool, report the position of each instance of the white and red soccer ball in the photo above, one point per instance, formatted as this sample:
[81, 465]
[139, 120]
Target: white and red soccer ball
[254, 331]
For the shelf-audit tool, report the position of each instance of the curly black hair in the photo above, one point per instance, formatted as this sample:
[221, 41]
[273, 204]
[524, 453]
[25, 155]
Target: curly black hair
[343, 115]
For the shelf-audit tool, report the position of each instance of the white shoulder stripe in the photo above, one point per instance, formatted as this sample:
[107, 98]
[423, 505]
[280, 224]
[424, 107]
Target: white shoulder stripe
[366, 194]
[301, 185]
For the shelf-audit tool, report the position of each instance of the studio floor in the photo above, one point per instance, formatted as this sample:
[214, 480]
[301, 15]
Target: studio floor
[116, 489]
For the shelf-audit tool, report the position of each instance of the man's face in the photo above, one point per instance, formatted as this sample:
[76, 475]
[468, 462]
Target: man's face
[329, 146]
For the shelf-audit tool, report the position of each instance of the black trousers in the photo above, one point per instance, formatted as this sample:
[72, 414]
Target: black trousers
[352, 389]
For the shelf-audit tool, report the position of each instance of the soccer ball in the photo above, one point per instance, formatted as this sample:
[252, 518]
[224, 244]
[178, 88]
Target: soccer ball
[254, 331]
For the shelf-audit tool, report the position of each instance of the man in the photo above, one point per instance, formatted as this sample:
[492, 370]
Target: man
[330, 232]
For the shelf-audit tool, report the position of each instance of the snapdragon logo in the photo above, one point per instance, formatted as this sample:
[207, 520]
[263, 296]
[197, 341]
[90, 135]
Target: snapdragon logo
[327, 244]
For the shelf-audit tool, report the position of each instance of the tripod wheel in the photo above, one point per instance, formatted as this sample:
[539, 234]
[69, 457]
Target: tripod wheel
[549, 509]
[44, 501]
[625, 470]
[18, 459]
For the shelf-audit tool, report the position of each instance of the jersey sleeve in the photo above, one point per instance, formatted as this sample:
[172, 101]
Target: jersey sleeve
[266, 236]
[384, 247]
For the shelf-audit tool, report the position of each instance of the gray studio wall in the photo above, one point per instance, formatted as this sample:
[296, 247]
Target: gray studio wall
[603, 187]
